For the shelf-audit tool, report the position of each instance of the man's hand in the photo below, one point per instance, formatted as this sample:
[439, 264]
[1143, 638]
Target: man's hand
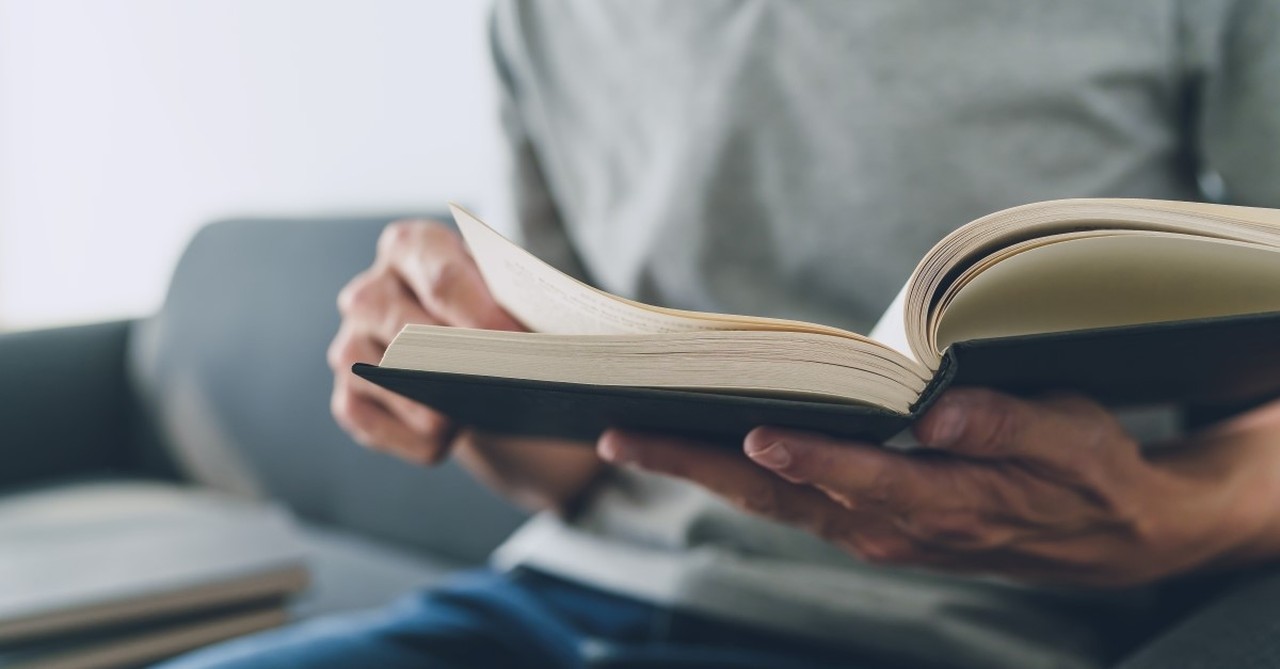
[422, 274]
[1051, 491]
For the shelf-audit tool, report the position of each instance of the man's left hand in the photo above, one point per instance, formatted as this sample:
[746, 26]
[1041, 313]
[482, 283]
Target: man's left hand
[1049, 491]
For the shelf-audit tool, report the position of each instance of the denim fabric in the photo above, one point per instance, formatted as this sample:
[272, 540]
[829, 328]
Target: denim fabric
[518, 619]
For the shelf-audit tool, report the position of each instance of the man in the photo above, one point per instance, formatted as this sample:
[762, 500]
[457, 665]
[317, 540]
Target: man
[795, 159]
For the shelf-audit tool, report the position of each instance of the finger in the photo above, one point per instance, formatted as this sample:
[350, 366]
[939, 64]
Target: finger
[349, 348]
[980, 423]
[428, 426]
[435, 264]
[733, 478]
[868, 534]
[856, 475]
[373, 425]
[935, 500]
[378, 303]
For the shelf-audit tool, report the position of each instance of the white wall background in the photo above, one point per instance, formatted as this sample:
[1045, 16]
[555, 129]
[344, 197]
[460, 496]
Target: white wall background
[125, 124]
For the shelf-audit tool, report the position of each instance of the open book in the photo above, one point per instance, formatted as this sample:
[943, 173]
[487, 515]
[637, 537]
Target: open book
[1129, 301]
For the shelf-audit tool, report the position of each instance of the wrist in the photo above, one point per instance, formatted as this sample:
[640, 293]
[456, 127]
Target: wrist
[537, 474]
[1240, 469]
[1255, 512]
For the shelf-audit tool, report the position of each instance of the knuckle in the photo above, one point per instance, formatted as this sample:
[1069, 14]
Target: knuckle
[362, 293]
[398, 233]
[493, 318]
[341, 353]
[443, 279]
[347, 296]
[437, 425]
[431, 425]
[410, 415]
[333, 355]
[436, 235]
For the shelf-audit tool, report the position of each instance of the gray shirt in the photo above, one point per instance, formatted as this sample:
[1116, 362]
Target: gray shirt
[796, 159]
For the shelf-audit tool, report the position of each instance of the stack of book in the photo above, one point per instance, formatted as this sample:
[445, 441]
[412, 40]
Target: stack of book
[122, 574]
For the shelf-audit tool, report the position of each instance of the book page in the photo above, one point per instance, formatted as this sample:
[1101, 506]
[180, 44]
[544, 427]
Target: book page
[989, 242]
[1105, 281]
[766, 363]
[547, 300]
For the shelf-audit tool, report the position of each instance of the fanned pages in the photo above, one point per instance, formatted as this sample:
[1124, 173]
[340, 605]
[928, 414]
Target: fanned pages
[547, 300]
[1078, 264]
[996, 286]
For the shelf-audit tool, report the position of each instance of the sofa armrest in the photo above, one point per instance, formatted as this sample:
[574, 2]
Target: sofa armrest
[65, 405]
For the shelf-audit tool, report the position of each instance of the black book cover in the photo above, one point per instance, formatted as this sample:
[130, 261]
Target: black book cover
[1220, 361]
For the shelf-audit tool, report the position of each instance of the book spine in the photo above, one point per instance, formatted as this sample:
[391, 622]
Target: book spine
[941, 380]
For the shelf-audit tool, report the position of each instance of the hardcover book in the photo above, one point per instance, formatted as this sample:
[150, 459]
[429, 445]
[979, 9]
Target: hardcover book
[123, 573]
[1128, 301]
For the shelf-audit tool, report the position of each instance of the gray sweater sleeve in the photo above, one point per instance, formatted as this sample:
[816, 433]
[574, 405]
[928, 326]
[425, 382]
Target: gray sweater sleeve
[1239, 128]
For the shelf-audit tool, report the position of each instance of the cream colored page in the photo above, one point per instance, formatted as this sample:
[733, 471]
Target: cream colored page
[547, 300]
[1046, 219]
[1115, 280]
[1268, 218]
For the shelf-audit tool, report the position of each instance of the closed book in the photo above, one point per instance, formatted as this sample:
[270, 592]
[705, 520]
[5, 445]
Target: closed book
[108, 560]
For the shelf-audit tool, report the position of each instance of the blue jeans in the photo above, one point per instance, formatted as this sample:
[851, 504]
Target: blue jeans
[487, 619]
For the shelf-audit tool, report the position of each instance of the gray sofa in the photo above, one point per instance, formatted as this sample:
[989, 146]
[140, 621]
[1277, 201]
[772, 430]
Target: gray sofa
[227, 386]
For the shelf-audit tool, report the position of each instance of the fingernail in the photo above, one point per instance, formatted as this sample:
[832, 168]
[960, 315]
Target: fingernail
[947, 425]
[615, 449]
[773, 455]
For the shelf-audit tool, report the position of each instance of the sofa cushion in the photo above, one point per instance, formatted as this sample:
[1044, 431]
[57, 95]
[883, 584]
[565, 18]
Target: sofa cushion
[232, 370]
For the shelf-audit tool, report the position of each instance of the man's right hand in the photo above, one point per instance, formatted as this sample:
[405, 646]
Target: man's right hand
[422, 274]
